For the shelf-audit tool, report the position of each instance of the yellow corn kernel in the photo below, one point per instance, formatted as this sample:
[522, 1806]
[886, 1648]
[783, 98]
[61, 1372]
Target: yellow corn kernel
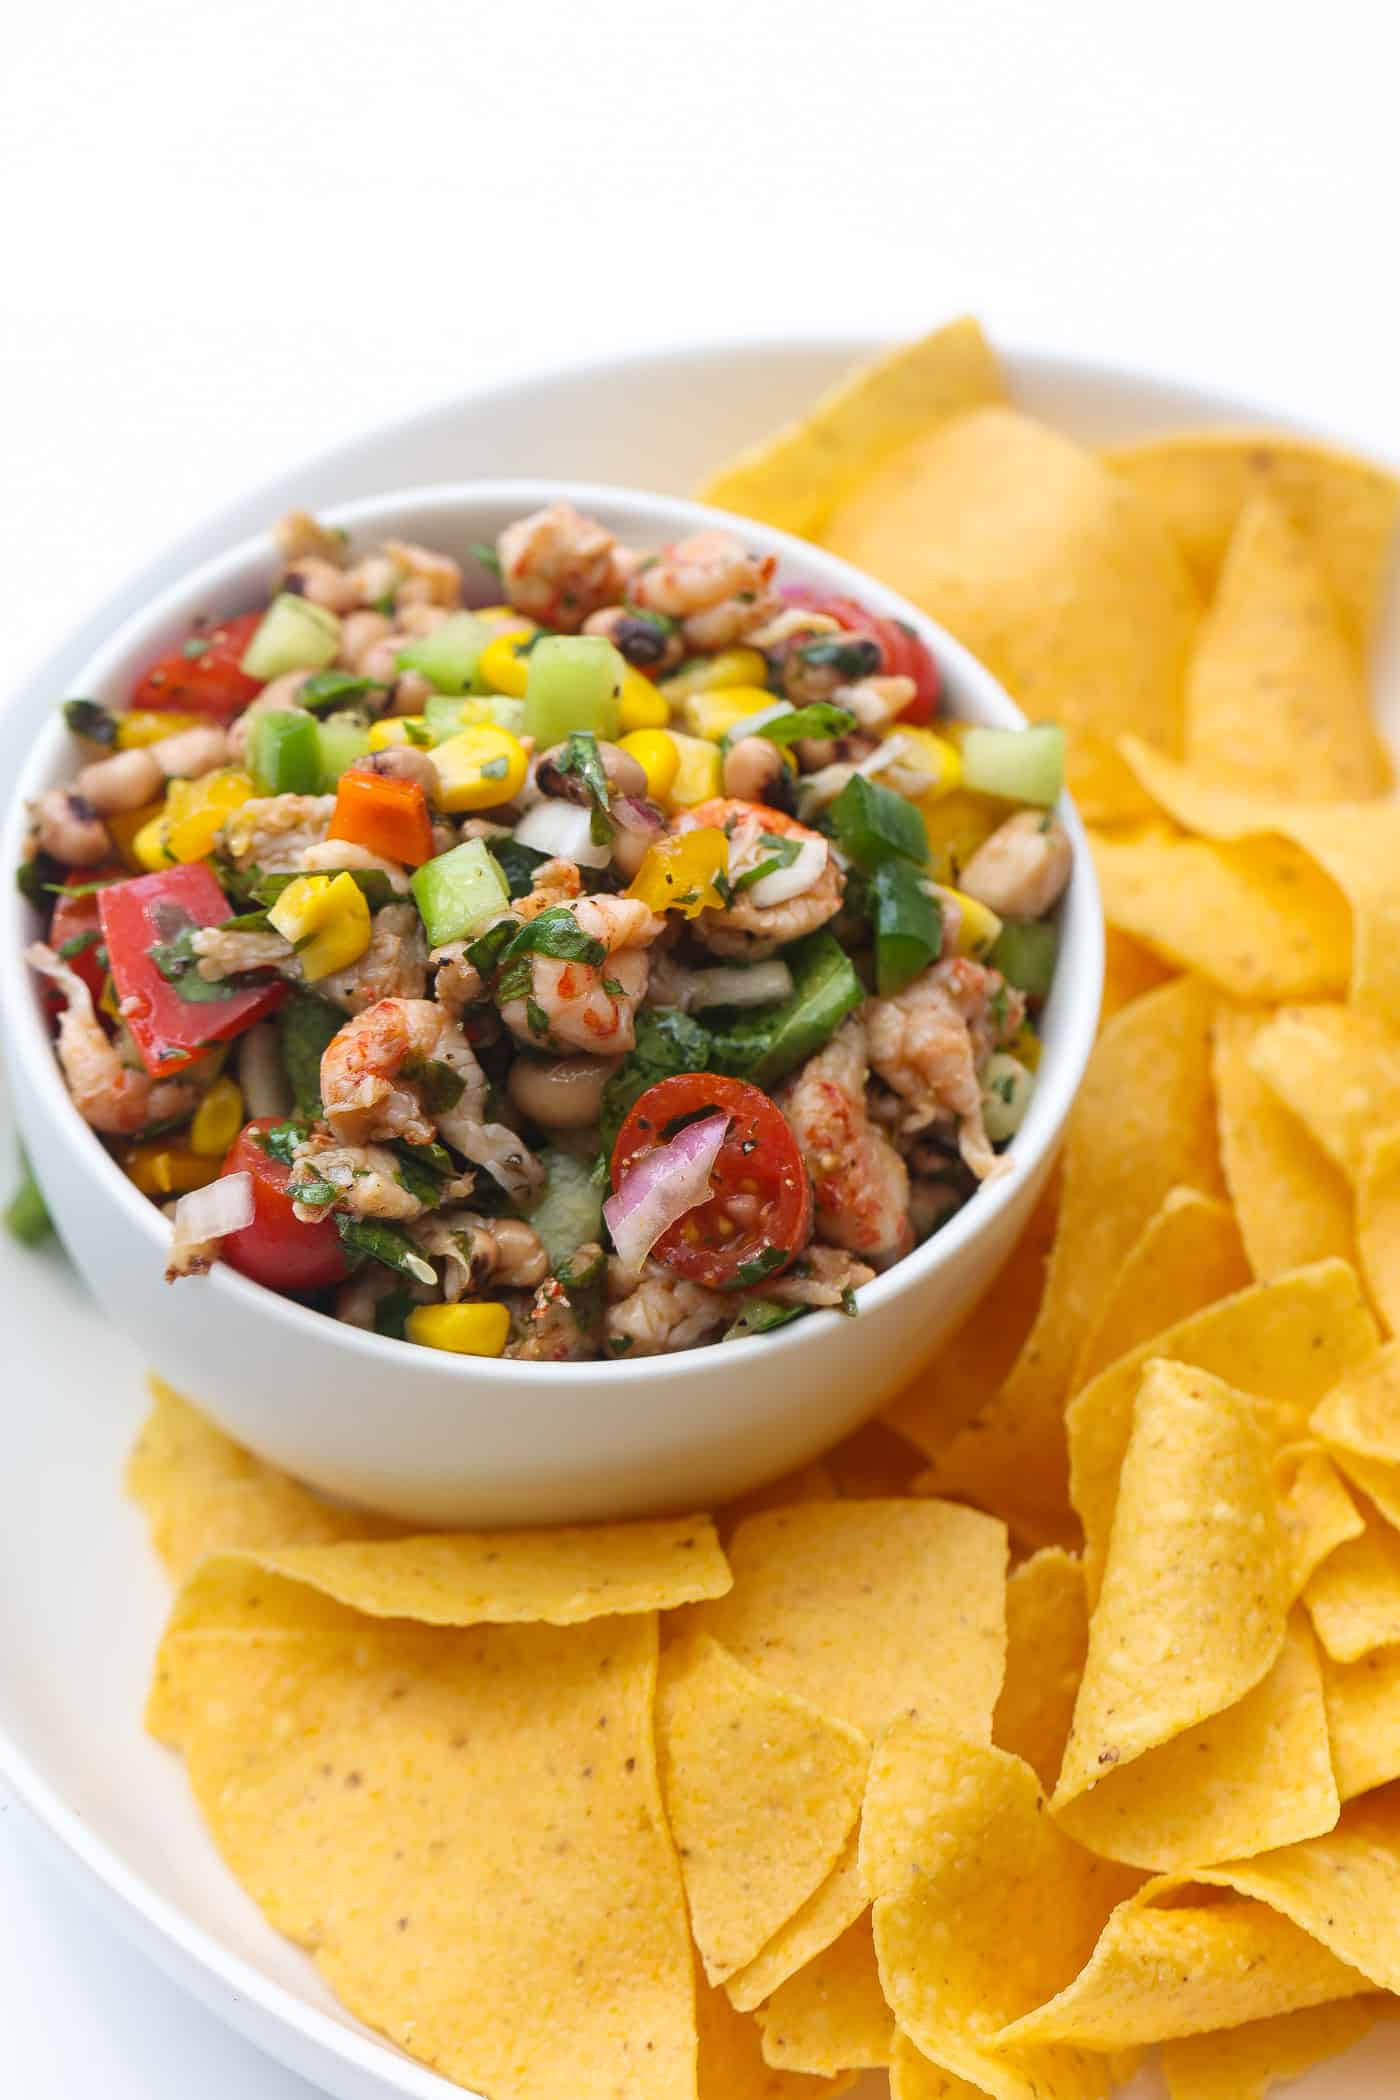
[479, 768]
[500, 666]
[467, 1330]
[956, 825]
[678, 873]
[399, 729]
[1025, 1046]
[931, 754]
[326, 919]
[713, 714]
[197, 810]
[729, 667]
[699, 773]
[163, 1168]
[641, 705]
[217, 1120]
[145, 725]
[978, 924]
[504, 618]
[149, 848]
[655, 752]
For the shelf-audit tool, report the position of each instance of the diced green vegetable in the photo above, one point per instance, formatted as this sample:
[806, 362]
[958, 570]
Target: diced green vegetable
[305, 1027]
[266, 886]
[459, 893]
[326, 691]
[447, 657]
[517, 862]
[284, 753]
[570, 1211]
[446, 713]
[383, 1241]
[767, 1044]
[875, 825]
[667, 1042]
[821, 719]
[575, 682]
[908, 926]
[27, 1215]
[1007, 1087]
[1025, 952]
[760, 1316]
[294, 635]
[90, 719]
[1020, 765]
[339, 743]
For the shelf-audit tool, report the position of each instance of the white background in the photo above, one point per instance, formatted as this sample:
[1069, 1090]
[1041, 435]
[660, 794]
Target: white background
[230, 234]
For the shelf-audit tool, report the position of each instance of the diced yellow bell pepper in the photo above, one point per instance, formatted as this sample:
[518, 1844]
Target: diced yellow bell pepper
[218, 1119]
[479, 768]
[501, 667]
[326, 919]
[149, 848]
[655, 752]
[956, 825]
[978, 924]
[729, 667]
[399, 729]
[126, 827]
[933, 755]
[678, 873]
[713, 714]
[481, 1329]
[699, 773]
[146, 725]
[197, 810]
[163, 1168]
[641, 705]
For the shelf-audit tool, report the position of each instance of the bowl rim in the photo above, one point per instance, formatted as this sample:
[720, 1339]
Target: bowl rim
[1058, 1079]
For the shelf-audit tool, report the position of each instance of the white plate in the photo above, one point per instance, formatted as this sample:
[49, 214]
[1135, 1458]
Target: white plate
[83, 1599]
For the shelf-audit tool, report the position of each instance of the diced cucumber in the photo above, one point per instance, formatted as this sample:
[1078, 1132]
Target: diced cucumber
[505, 712]
[575, 682]
[446, 713]
[341, 740]
[294, 635]
[284, 753]
[1024, 951]
[1019, 765]
[459, 893]
[447, 657]
[1007, 1087]
[570, 1212]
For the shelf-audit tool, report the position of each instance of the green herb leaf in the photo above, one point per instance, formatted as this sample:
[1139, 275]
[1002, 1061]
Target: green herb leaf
[908, 926]
[784, 852]
[248, 922]
[485, 556]
[582, 756]
[78, 945]
[852, 655]
[761, 1317]
[537, 1020]
[281, 1141]
[178, 965]
[557, 933]
[383, 1241]
[822, 719]
[325, 690]
[848, 1302]
[440, 1088]
[495, 768]
[391, 1315]
[485, 952]
[91, 719]
[372, 883]
[763, 1264]
[305, 1027]
[876, 825]
[517, 863]
[315, 1193]
[667, 1042]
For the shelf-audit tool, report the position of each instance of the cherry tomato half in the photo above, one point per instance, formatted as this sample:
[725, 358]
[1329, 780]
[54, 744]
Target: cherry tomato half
[203, 677]
[906, 654]
[759, 1216]
[75, 927]
[278, 1249]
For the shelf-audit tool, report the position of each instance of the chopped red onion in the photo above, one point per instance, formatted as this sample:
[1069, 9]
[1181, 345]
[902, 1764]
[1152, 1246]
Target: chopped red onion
[662, 1187]
[206, 1214]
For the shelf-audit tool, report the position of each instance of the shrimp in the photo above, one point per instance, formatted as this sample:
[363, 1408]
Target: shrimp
[223, 953]
[394, 966]
[374, 1075]
[274, 831]
[559, 566]
[554, 1333]
[930, 1042]
[1022, 869]
[710, 583]
[662, 1313]
[859, 1181]
[749, 931]
[821, 1276]
[69, 829]
[590, 1006]
[333, 856]
[429, 578]
[118, 1099]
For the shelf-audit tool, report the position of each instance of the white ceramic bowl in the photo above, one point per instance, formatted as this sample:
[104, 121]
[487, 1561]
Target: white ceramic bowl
[438, 1439]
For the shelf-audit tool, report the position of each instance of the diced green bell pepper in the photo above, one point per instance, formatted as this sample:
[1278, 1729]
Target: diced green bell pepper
[284, 753]
[1025, 951]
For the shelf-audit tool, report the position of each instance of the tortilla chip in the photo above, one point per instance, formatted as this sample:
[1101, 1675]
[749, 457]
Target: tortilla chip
[1359, 1421]
[831, 2016]
[800, 1611]
[1285, 1342]
[762, 1792]
[1245, 2062]
[1363, 1720]
[731, 2058]
[1188, 1255]
[794, 478]
[913, 2077]
[464, 1828]
[809, 1483]
[1047, 1639]
[1256, 918]
[1119, 1165]
[1354, 1597]
[1199, 482]
[200, 1491]
[967, 1871]
[1129, 970]
[1277, 701]
[1293, 1205]
[1048, 568]
[823, 1918]
[1317, 1513]
[1378, 1224]
[1356, 843]
[1338, 1072]
[875, 1461]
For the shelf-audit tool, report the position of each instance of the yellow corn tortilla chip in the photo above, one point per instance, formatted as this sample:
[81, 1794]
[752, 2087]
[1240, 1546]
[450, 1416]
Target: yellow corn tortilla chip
[1337, 1071]
[1285, 1343]
[464, 1827]
[823, 1918]
[794, 478]
[831, 2016]
[810, 1483]
[1244, 2063]
[913, 2077]
[800, 1612]
[1160, 1973]
[731, 2058]
[762, 1792]
[967, 1873]
[1378, 1225]
[1188, 1255]
[1292, 1204]
[874, 1461]
[1194, 1598]
[1354, 1597]
[1047, 1639]
[1356, 843]
[1359, 1419]
[1119, 1165]
[200, 1491]
[1049, 569]
[1253, 1777]
[1363, 1720]
[1276, 696]
[1198, 482]
[1129, 970]
[1256, 918]
[1316, 1512]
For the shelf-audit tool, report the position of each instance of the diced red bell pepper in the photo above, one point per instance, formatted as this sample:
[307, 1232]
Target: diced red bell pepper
[204, 676]
[388, 816]
[173, 1014]
[74, 927]
[278, 1249]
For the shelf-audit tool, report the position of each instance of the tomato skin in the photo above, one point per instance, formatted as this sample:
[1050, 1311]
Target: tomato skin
[278, 1249]
[759, 1157]
[135, 915]
[208, 684]
[73, 918]
[906, 655]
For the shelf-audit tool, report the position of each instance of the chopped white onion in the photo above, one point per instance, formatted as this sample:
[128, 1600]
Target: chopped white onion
[662, 1187]
[795, 880]
[883, 755]
[206, 1214]
[752, 984]
[750, 725]
[561, 829]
